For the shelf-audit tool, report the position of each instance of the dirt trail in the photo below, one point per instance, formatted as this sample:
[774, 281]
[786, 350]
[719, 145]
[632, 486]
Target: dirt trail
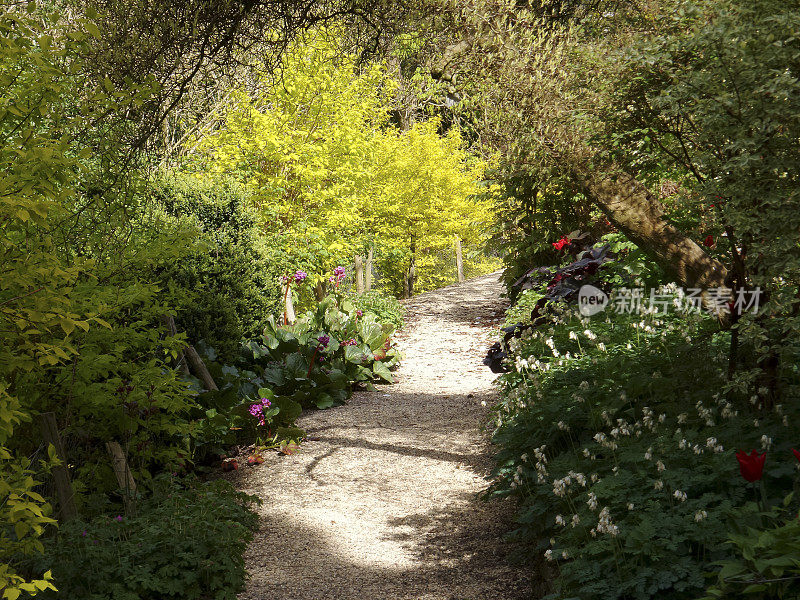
[380, 505]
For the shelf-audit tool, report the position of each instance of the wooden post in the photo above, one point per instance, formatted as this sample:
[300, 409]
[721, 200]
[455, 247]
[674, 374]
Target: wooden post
[459, 261]
[411, 274]
[124, 476]
[359, 274]
[288, 310]
[200, 369]
[66, 497]
[368, 274]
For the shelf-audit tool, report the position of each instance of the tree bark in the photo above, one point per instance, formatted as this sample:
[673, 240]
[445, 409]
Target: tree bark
[180, 360]
[61, 480]
[640, 216]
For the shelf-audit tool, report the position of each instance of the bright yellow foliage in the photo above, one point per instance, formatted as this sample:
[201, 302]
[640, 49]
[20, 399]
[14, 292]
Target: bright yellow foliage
[331, 176]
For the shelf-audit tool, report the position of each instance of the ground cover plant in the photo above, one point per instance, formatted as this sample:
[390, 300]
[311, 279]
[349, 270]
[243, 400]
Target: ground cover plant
[619, 435]
[184, 541]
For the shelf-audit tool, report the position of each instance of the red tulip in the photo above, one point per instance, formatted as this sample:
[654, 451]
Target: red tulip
[564, 241]
[751, 465]
[796, 454]
[709, 241]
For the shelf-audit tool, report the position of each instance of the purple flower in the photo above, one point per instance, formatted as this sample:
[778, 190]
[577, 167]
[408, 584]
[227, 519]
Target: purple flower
[324, 340]
[338, 275]
[300, 276]
[265, 402]
[350, 342]
[85, 533]
[118, 518]
[360, 313]
[257, 410]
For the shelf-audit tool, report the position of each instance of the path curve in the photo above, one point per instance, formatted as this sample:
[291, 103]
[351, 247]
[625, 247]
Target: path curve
[380, 504]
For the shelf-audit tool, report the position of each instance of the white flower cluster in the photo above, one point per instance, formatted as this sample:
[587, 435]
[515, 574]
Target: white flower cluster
[705, 413]
[560, 485]
[541, 463]
[605, 524]
[700, 515]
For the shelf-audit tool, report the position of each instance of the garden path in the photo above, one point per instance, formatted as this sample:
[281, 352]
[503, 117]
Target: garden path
[380, 503]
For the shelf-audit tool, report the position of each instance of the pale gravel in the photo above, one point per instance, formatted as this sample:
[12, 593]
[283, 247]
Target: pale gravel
[382, 503]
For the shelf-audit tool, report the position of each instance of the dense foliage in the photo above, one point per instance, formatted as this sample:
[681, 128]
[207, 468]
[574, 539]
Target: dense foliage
[617, 435]
[331, 177]
[186, 541]
[229, 280]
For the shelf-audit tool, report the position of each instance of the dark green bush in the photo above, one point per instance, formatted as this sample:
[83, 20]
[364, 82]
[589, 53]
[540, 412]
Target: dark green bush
[230, 280]
[185, 542]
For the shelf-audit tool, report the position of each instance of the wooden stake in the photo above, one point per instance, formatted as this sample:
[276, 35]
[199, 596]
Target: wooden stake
[63, 485]
[288, 306]
[459, 261]
[199, 368]
[359, 274]
[123, 474]
[368, 274]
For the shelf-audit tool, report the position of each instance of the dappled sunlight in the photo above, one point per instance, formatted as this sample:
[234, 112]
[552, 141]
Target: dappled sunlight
[382, 500]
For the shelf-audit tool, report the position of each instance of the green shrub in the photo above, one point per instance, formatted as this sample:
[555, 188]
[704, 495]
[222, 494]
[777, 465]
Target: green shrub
[387, 309]
[766, 564]
[186, 542]
[229, 280]
[617, 439]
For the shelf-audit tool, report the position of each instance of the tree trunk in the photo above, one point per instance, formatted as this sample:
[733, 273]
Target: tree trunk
[320, 291]
[179, 362]
[411, 274]
[288, 305]
[61, 480]
[640, 216]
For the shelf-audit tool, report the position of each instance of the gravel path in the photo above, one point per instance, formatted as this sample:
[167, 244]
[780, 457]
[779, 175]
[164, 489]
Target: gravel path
[380, 504]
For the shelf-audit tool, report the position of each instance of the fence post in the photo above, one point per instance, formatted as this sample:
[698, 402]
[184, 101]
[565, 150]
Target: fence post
[61, 480]
[459, 261]
[288, 307]
[368, 276]
[359, 274]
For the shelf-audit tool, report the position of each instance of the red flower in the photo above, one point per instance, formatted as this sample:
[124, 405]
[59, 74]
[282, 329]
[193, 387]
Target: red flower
[796, 454]
[564, 241]
[751, 465]
[709, 241]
